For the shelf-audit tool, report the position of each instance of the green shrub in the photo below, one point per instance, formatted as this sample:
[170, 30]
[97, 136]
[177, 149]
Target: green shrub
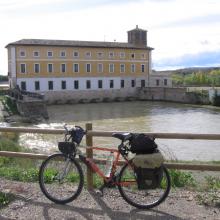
[212, 182]
[10, 105]
[181, 179]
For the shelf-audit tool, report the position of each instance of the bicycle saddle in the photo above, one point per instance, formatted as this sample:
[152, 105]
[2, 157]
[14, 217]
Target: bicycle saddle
[122, 137]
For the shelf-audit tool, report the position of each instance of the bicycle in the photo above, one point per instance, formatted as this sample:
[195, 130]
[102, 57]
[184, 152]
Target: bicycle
[61, 176]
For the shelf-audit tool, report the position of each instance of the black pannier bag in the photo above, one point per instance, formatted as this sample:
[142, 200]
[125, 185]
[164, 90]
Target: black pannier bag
[142, 144]
[66, 147]
[149, 170]
[148, 178]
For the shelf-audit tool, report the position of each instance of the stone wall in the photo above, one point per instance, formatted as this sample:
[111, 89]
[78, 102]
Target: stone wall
[32, 109]
[147, 93]
[60, 97]
[172, 94]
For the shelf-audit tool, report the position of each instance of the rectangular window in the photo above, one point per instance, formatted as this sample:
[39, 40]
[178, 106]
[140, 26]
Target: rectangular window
[143, 56]
[76, 84]
[37, 85]
[63, 54]
[50, 85]
[122, 54]
[165, 82]
[75, 67]
[132, 55]
[142, 68]
[63, 68]
[122, 83]
[88, 54]
[111, 67]
[49, 53]
[100, 68]
[75, 54]
[142, 83]
[157, 82]
[88, 67]
[36, 54]
[100, 55]
[36, 67]
[23, 68]
[133, 68]
[122, 68]
[49, 67]
[100, 84]
[63, 84]
[132, 83]
[111, 84]
[88, 84]
[111, 54]
[23, 85]
[22, 53]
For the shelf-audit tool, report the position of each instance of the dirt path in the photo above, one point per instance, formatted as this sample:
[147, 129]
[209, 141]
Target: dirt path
[30, 203]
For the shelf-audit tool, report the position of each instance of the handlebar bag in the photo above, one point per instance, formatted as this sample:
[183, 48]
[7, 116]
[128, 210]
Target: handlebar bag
[77, 134]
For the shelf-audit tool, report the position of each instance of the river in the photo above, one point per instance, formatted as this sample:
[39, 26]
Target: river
[138, 116]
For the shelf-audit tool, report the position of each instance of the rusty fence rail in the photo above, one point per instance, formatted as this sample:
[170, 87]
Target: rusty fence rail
[89, 142]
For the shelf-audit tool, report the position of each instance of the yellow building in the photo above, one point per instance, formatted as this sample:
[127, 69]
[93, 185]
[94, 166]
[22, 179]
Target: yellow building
[80, 69]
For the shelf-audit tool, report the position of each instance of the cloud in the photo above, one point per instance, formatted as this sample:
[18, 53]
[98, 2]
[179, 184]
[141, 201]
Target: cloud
[27, 7]
[198, 20]
[203, 59]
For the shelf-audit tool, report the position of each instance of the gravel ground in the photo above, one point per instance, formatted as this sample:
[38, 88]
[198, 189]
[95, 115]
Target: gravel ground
[30, 203]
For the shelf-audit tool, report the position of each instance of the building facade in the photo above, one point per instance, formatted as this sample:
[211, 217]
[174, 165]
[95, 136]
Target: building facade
[74, 70]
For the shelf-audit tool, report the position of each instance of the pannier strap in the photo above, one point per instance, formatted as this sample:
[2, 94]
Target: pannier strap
[122, 136]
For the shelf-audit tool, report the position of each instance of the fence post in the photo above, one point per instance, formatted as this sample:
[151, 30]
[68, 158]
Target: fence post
[89, 154]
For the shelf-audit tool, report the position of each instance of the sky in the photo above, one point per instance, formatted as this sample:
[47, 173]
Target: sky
[183, 33]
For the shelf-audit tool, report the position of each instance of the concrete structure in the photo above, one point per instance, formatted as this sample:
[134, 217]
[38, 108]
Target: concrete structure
[70, 71]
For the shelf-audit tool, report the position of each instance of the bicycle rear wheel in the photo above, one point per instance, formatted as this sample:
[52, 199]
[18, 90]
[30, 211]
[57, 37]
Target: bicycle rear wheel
[142, 199]
[61, 178]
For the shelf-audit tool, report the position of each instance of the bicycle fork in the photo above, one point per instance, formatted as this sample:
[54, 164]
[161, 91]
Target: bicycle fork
[65, 170]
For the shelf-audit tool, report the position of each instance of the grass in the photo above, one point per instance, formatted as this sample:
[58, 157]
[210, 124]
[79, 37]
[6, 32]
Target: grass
[14, 168]
[210, 193]
[5, 199]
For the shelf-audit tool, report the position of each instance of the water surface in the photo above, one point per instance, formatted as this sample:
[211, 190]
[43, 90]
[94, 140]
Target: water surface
[138, 117]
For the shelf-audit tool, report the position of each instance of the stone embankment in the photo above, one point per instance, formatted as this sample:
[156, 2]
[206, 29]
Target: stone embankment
[31, 106]
[181, 95]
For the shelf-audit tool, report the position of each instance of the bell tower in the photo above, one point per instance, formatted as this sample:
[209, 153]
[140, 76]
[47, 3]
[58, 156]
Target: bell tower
[138, 37]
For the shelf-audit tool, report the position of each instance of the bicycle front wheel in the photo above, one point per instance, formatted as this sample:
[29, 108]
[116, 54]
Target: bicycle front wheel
[144, 198]
[61, 178]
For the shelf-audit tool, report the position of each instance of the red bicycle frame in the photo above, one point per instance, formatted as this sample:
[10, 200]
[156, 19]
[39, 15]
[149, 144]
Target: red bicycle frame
[96, 169]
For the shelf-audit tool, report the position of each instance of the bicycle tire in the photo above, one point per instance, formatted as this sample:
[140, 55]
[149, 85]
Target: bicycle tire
[55, 184]
[130, 193]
